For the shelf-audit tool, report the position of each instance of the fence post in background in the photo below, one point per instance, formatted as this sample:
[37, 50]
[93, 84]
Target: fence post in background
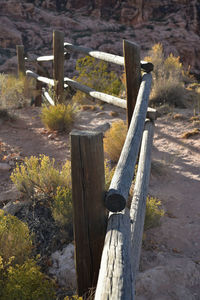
[58, 63]
[90, 216]
[21, 60]
[39, 85]
[133, 75]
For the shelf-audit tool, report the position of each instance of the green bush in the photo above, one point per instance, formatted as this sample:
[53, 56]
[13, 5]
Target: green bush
[114, 140]
[15, 239]
[168, 74]
[25, 282]
[95, 74]
[153, 213]
[59, 117]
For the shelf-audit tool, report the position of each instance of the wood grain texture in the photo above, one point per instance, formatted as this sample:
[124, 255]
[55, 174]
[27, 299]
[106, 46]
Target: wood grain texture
[58, 62]
[108, 57]
[133, 75]
[138, 205]
[40, 78]
[39, 85]
[121, 181]
[95, 94]
[115, 276]
[90, 216]
[48, 97]
[20, 60]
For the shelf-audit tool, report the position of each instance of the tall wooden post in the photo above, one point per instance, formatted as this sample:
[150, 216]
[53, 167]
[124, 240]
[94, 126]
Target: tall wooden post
[58, 63]
[90, 216]
[133, 75]
[21, 61]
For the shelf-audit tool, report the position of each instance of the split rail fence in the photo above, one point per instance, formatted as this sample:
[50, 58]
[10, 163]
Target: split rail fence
[108, 233]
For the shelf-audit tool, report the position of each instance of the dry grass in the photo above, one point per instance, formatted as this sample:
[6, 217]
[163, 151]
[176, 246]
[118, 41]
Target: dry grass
[195, 118]
[179, 117]
[15, 92]
[113, 114]
[154, 212]
[88, 107]
[114, 140]
[169, 77]
[191, 133]
[59, 117]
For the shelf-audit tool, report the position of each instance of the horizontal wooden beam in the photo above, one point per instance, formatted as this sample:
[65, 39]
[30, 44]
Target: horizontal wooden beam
[45, 58]
[42, 79]
[115, 279]
[111, 58]
[95, 94]
[151, 112]
[48, 97]
[138, 205]
[123, 176]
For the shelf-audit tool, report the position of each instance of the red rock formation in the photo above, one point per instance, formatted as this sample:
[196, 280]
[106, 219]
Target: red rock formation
[98, 24]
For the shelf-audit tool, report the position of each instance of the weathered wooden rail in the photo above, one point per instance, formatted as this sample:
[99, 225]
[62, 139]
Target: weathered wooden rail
[108, 234]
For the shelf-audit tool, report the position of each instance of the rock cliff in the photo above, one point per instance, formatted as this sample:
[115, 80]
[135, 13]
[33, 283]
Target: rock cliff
[101, 24]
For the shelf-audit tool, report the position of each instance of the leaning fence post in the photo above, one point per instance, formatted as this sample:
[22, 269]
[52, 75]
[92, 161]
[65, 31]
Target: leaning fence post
[58, 63]
[89, 212]
[21, 60]
[133, 75]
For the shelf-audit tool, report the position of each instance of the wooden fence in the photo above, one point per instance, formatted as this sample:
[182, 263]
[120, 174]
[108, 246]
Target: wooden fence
[108, 234]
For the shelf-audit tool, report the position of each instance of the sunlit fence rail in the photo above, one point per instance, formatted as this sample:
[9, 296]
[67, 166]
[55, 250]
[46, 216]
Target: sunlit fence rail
[108, 232]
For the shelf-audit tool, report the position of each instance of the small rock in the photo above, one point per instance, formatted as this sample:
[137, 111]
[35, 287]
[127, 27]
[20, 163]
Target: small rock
[103, 128]
[63, 267]
[13, 207]
[51, 136]
[11, 194]
[5, 167]
[11, 163]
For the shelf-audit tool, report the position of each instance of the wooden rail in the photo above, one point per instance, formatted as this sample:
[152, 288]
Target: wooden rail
[121, 181]
[111, 58]
[121, 252]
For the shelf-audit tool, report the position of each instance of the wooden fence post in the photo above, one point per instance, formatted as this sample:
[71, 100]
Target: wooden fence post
[90, 216]
[133, 75]
[58, 63]
[21, 60]
[39, 85]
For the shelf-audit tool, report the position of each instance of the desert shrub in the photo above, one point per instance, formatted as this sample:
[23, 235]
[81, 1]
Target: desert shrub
[188, 134]
[59, 117]
[109, 172]
[62, 208]
[95, 74]
[168, 85]
[25, 282]
[114, 140]
[15, 92]
[15, 239]
[37, 177]
[153, 213]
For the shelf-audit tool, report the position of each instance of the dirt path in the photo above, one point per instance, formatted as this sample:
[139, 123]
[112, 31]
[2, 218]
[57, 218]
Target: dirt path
[170, 261]
[171, 258]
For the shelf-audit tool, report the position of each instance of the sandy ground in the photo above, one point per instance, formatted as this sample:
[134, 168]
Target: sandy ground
[170, 259]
